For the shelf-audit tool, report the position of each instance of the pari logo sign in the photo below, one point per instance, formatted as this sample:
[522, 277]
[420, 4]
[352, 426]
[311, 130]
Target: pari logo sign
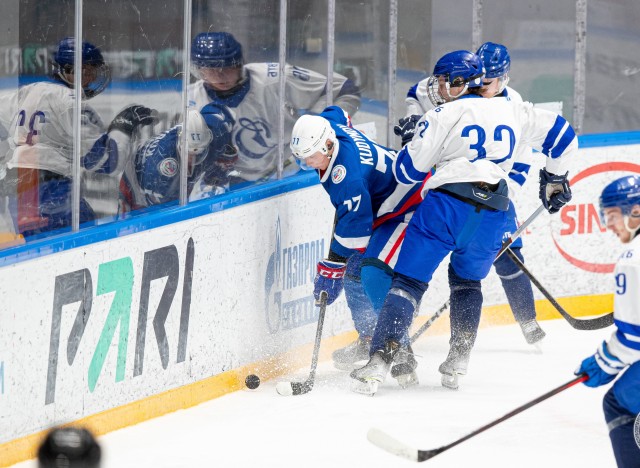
[288, 283]
[578, 233]
[116, 278]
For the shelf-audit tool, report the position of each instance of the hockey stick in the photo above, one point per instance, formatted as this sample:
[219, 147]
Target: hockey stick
[300, 388]
[579, 324]
[429, 322]
[395, 447]
[505, 246]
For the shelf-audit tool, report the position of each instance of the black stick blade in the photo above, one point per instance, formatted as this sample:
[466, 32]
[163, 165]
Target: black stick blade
[294, 388]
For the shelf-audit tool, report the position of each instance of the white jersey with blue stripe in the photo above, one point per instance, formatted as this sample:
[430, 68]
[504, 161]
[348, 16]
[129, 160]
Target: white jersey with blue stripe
[361, 185]
[418, 102]
[256, 103]
[474, 139]
[625, 341]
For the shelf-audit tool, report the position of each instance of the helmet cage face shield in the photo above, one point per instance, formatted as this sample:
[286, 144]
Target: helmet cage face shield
[623, 194]
[96, 74]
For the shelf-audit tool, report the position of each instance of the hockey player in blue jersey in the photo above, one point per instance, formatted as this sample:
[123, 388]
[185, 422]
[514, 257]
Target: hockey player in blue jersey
[252, 91]
[153, 176]
[372, 213]
[471, 141]
[620, 212]
[497, 63]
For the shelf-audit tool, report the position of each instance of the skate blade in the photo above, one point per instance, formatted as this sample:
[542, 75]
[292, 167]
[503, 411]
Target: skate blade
[450, 381]
[408, 380]
[368, 388]
[349, 366]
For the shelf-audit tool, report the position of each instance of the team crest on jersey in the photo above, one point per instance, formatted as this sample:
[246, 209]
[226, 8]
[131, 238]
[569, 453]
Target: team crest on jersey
[168, 167]
[338, 174]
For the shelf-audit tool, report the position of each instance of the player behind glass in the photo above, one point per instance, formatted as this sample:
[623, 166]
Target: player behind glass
[422, 98]
[372, 213]
[471, 141]
[252, 91]
[153, 175]
[41, 138]
[620, 212]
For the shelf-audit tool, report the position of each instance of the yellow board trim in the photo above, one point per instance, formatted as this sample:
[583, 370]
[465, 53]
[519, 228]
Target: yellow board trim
[193, 394]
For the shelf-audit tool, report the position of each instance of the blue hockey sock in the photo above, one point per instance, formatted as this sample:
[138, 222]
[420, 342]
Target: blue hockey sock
[362, 312]
[466, 304]
[620, 423]
[517, 287]
[397, 312]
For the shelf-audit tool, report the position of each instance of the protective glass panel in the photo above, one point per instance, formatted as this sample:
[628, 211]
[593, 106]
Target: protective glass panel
[451, 29]
[307, 33]
[235, 71]
[9, 79]
[39, 155]
[414, 61]
[130, 156]
[540, 36]
[612, 67]
[362, 54]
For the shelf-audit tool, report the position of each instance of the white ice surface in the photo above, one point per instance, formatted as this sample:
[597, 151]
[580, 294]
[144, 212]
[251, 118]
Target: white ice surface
[328, 427]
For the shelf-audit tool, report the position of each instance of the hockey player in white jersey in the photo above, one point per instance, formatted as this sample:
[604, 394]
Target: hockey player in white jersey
[41, 138]
[252, 92]
[620, 212]
[422, 98]
[471, 141]
[152, 177]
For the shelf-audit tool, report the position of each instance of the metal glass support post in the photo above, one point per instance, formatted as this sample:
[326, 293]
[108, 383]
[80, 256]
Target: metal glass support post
[186, 65]
[77, 118]
[393, 63]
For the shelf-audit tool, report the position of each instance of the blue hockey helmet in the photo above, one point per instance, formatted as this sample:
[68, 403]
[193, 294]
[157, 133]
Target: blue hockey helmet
[622, 193]
[97, 77]
[458, 68]
[216, 50]
[495, 58]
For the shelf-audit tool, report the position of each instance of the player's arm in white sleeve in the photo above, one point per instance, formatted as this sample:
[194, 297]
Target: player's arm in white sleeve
[548, 133]
[417, 100]
[417, 158]
[625, 340]
[306, 91]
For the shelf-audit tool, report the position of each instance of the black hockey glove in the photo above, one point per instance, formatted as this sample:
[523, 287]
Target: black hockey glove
[554, 190]
[133, 117]
[406, 128]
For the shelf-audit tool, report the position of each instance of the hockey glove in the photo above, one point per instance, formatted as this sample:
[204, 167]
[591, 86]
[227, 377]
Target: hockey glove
[601, 368]
[329, 278]
[554, 190]
[406, 128]
[133, 117]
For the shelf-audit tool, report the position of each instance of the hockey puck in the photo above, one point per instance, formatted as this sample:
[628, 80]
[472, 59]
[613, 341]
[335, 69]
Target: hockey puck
[252, 381]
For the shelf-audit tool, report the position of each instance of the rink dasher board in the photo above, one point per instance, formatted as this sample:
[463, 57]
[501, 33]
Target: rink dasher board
[253, 269]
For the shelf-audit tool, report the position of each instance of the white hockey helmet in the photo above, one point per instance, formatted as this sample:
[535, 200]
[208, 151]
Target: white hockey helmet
[199, 135]
[310, 135]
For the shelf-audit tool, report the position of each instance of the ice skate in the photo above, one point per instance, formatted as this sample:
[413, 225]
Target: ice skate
[457, 361]
[404, 366]
[532, 331]
[353, 355]
[368, 378]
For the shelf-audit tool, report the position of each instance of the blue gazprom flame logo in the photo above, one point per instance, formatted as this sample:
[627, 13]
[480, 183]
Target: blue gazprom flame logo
[288, 283]
[254, 138]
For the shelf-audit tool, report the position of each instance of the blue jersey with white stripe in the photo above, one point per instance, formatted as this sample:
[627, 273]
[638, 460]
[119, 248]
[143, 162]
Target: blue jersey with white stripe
[361, 185]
